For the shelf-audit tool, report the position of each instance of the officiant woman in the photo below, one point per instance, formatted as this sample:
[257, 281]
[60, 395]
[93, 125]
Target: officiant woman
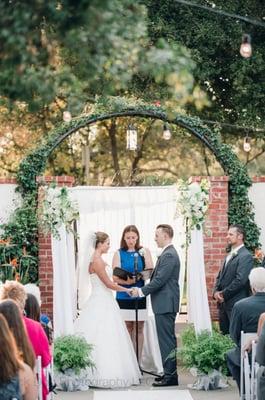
[130, 256]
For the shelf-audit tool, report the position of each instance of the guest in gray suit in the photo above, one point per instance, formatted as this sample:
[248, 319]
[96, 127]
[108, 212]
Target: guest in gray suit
[164, 291]
[245, 317]
[232, 281]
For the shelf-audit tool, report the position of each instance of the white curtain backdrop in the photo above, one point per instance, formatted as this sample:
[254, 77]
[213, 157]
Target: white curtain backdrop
[64, 283]
[110, 209]
[198, 306]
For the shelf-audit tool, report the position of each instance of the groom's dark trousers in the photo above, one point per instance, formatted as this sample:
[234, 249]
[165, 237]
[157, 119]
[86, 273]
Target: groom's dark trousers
[164, 291]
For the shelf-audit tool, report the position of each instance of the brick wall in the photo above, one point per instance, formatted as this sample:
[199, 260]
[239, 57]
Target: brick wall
[215, 234]
[45, 251]
[7, 180]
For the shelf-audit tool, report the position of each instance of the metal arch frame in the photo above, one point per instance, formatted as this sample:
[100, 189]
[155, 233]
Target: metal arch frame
[86, 121]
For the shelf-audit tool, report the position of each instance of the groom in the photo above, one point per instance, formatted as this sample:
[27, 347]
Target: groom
[164, 291]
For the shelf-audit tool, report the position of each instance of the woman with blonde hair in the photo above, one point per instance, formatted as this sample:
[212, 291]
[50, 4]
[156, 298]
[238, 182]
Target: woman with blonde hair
[17, 380]
[15, 291]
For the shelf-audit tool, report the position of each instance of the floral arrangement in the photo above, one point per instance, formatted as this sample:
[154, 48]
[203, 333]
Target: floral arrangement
[142, 251]
[258, 257]
[193, 203]
[56, 209]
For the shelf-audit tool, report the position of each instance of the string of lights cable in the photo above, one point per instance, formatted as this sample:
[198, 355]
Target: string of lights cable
[221, 12]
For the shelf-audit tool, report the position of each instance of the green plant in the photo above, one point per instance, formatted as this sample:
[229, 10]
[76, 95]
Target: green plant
[72, 351]
[206, 352]
[22, 228]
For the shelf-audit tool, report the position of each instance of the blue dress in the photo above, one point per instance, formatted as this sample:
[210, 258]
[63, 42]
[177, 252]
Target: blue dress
[127, 263]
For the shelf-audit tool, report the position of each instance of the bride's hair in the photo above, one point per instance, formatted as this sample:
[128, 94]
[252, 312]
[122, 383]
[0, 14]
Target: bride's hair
[101, 237]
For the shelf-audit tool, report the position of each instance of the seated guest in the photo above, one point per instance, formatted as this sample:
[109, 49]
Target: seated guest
[31, 288]
[260, 358]
[245, 317]
[9, 309]
[15, 291]
[17, 379]
[32, 310]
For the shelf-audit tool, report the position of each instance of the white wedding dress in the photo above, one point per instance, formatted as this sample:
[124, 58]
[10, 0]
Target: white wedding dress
[100, 322]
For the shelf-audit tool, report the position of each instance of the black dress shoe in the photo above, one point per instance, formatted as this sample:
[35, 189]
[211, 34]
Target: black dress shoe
[166, 382]
[159, 378]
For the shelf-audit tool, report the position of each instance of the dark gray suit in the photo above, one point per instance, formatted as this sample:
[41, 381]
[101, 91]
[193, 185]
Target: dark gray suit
[232, 280]
[164, 291]
[245, 317]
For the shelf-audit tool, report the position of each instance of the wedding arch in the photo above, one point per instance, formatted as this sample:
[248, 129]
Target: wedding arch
[240, 207]
[22, 227]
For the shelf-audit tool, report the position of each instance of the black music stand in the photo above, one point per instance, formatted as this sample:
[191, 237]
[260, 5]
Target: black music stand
[136, 275]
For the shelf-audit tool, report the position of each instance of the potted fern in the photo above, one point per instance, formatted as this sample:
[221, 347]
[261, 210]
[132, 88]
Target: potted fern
[204, 355]
[72, 357]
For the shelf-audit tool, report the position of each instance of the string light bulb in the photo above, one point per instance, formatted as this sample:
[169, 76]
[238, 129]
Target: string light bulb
[67, 116]
[246, 48]
[166, 132]
[247, 145]
[131, 138]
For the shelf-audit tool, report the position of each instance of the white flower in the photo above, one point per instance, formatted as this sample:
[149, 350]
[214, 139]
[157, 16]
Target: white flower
[57, 209]
[142, 251]
[193, 203]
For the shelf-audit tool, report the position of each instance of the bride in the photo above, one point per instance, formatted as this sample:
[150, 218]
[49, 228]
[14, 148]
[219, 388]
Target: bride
[101, 324]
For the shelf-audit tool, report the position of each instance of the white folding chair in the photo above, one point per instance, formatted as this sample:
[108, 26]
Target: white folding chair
[254, 370]
[247, 380]
[39, 377]
[49, 372]
[245, 370]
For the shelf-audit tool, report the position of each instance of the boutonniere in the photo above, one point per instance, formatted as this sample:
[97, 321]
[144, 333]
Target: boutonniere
[233, 254]
[141, 251]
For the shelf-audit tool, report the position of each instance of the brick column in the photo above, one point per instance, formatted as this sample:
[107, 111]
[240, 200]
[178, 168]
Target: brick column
[216, 226]
[45, 252]
[4, 181]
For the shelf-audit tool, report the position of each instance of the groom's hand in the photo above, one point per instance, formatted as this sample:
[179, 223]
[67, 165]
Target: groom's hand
[134, 292]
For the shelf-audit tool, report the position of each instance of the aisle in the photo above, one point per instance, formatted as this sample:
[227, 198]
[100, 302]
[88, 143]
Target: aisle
[161, 394]
[176, 393]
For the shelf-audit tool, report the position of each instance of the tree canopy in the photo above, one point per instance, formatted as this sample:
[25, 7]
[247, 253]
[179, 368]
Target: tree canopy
[235, 85]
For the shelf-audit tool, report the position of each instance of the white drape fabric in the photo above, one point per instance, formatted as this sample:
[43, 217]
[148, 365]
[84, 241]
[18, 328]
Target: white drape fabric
[198, 306]
[110, 209]
[64, 283]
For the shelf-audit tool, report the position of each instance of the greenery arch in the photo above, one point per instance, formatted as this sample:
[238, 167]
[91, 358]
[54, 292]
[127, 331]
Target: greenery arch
[23, 224]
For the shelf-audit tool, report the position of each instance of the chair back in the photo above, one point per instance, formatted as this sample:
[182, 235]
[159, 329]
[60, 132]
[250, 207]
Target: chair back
[39, 377]
[245, 369]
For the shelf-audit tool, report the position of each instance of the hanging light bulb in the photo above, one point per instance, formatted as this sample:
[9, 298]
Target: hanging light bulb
[67, 116]
[245, 48]
[166, 132]
[247, 145]
[131, 138]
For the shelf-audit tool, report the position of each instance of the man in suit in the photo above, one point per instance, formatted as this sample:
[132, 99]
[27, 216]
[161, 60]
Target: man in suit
[232, 281]
[245, 317]
[164, 291]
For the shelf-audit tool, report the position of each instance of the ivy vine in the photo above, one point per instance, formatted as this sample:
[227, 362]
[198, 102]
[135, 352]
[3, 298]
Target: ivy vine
[23, 228]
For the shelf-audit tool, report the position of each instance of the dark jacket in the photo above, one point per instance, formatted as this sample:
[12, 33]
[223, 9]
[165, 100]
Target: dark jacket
[232, 279]
[245, 315]
[164, 286]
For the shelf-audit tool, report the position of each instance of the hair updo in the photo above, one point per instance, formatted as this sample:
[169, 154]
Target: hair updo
[101, 237]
